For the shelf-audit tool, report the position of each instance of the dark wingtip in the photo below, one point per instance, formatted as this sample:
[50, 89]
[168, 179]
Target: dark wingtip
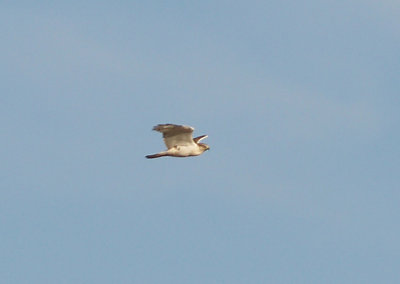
[155, 156]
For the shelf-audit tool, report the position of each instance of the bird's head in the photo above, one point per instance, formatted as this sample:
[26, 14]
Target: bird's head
[204, 147]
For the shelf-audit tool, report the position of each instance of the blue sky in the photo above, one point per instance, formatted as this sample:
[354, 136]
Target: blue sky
[300, 100]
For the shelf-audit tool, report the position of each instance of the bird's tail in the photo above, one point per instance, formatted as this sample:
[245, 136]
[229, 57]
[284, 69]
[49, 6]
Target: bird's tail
[158, 155]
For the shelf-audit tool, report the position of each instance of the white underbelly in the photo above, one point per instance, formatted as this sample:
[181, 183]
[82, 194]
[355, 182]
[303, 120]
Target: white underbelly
[184, 151]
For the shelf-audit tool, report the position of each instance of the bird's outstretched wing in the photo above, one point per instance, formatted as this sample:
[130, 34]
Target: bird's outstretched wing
[175, 135]
[198, 139]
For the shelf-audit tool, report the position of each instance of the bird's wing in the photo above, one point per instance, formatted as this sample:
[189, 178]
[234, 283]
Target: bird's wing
[175, 135]
[198, 139]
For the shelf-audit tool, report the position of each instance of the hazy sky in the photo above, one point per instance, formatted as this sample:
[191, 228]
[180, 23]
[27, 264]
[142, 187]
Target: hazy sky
[301, 102]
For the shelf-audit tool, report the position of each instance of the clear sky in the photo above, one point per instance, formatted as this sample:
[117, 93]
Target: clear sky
[300, 100]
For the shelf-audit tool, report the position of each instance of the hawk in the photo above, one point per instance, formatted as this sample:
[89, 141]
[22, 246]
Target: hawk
[179, 141]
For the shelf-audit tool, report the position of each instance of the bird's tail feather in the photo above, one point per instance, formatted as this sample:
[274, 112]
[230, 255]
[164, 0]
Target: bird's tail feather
[158, 155]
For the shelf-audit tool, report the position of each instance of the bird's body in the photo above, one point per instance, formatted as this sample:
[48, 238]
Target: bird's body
[179, 141]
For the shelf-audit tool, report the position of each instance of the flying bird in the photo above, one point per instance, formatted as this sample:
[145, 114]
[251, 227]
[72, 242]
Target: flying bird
[179, 141]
